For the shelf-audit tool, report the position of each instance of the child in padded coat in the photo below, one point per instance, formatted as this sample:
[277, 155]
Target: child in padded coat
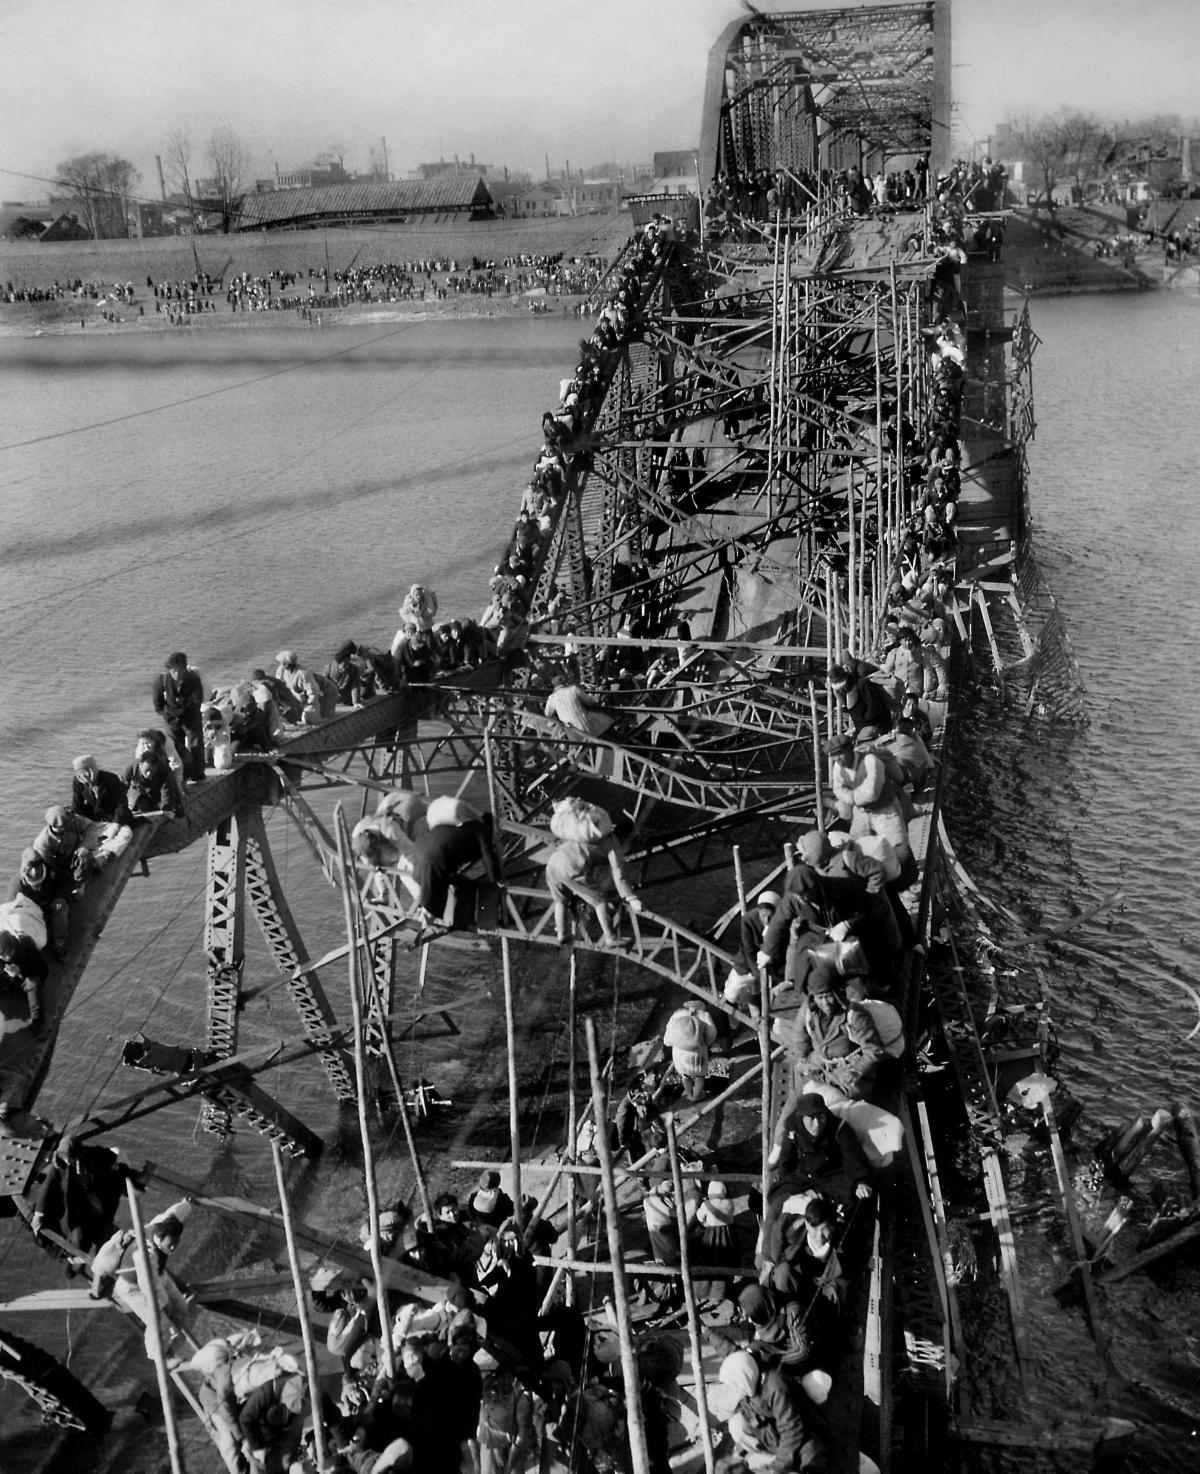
[690, 1035]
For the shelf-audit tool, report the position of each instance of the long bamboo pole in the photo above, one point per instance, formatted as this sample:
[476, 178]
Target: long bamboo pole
[851, 566]
[510, 1028]
[514, 1104]
[302, 1310]
[360, 1078]
[764, 1049]
[818, 777]
[639, 1453]
[739, 876]
[689, 1296]
[572, 1112]
[881, 499]
[148, 1280]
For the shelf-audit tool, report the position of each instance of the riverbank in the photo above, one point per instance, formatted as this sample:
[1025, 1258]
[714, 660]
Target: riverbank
[74, 318]
[27, 264]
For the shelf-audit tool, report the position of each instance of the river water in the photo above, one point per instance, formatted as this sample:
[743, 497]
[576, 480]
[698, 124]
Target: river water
[230, 494]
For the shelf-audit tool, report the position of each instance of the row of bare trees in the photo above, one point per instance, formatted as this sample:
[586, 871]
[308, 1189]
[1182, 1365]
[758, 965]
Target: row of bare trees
[1074, 146]
[103, 185]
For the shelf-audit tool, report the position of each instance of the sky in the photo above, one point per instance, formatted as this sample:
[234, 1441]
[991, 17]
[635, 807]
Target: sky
[509, 81]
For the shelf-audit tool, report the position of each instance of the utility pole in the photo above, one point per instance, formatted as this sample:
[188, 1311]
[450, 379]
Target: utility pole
[387, 173]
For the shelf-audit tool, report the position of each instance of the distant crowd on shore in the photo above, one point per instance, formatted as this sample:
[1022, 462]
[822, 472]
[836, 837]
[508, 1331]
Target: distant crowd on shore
[420, 280]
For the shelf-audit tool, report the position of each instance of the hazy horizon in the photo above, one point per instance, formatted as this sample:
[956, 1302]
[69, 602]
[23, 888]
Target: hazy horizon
[614, 80]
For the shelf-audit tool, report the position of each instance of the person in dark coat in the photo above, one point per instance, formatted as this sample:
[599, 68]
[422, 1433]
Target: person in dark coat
[79, 1197]
[271, 1423]
[445, 851]
[812, 1148]
[491, 1204]
[768, 1423]
[100, 797]
[22, 966]
[507, 1276]
[50, 889]
[865, 703]
[151, 787]
[178, 696]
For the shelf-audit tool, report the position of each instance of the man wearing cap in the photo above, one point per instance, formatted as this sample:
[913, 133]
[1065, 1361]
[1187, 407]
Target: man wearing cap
[178, 696]
[907, 758]
[812, 1148]
[864, 702]
[309, 691]
[865, 795]
[60, 843]
[819, 1041]
[491, 1203]
[49, 889]
[779, 1337]
[100, 797]
[22, 966]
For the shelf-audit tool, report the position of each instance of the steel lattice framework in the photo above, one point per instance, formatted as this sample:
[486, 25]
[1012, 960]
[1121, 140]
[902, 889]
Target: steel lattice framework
[803, 90]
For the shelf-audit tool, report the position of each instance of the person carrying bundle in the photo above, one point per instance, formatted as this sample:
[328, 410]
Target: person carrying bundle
[588, 863]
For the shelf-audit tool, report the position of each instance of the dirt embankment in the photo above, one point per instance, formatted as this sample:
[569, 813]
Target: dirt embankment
[1057, 254]
[171, 259]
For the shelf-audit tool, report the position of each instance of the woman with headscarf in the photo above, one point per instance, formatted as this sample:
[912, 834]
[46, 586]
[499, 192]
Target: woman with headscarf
[767, 1424]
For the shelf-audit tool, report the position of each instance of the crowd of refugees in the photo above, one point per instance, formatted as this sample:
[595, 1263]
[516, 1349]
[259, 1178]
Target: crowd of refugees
[280, 290]
[208, 728]
[491, 1376]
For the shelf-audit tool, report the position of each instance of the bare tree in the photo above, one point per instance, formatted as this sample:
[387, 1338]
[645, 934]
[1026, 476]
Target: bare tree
[1065, 145]
[379, 161]
[120, 179]
[100, 185]
[229, 160]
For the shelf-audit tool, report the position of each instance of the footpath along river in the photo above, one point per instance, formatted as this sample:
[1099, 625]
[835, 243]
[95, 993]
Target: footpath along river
[232, 494]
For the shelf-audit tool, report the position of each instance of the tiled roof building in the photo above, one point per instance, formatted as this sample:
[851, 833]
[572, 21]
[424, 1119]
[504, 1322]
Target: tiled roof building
[445, 198]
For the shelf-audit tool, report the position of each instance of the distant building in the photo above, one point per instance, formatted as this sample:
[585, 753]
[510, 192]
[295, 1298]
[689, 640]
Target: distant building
[313, 177]
[447, 199]
[493, 173]
[676, 171]
[595, 197]
[532, 201]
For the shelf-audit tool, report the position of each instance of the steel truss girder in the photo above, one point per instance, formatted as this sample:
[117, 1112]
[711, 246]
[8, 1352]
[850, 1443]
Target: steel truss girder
[224, 948]
[674, 953]
[610, 762]
[291, 956]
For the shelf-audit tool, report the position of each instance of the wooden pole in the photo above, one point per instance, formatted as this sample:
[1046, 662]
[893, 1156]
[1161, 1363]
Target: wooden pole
[739, 876]
[1189, 1145]
[818, 772]
[851, 566]
[302, 1310]
[689, 1297]
[764, 1049]
[572, 1112]
[360, 1076]
[514, 1106]
[639, 1453]
[148, 1280]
